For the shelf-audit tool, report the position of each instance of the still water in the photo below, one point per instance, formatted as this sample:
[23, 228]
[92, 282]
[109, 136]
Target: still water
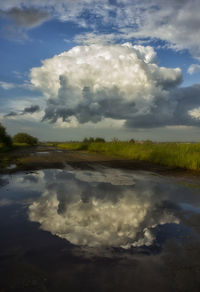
[99, 229]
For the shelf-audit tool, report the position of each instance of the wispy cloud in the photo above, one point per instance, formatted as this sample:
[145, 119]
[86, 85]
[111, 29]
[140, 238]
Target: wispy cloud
[194, 68]
[176, 22]
[6, 85]
[95, 38]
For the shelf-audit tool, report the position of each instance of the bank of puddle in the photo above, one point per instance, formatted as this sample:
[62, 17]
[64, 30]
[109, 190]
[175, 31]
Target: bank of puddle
[97, 224]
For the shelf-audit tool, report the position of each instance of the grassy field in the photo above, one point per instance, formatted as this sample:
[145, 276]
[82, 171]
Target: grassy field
[185, 155]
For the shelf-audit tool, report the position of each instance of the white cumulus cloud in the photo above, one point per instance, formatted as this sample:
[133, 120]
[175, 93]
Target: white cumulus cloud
[93, 82]
[6, 85]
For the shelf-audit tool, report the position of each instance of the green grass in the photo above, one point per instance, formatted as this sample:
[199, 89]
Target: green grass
[73, 146]
[184, 155]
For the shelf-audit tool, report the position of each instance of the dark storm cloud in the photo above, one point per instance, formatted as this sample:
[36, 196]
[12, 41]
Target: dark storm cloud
[11, 114]
[27, 110]
[27, 18]
[110, 105]
[176, 110]
[31, 109]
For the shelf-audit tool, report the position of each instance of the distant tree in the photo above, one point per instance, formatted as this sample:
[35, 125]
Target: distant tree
[149, 142]
[5, 139]
[88, 140]
[85, 140]
[115, 140]
[25, 138]
[131, 141]
[100, 140]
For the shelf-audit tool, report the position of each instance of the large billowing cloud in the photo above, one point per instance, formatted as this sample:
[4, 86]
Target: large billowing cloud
[120, 82]
[174, 21]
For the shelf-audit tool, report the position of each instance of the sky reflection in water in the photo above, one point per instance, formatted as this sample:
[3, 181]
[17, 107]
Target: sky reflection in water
[102, 207]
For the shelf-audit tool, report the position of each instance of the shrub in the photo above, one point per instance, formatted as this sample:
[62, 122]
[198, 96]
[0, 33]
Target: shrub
[148, 142]
[25, 138]
[131, 141]
[100, 140]
[88, 140]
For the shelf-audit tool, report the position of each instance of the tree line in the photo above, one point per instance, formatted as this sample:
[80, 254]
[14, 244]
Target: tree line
[21, 138]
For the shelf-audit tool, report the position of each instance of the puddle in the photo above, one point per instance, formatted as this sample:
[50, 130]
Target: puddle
[70, 217]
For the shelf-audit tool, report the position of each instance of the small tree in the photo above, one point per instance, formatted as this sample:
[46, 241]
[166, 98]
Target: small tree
[5, 139]
[25, 138]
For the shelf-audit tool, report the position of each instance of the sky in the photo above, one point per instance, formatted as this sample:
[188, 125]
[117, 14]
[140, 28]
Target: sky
[112, 68]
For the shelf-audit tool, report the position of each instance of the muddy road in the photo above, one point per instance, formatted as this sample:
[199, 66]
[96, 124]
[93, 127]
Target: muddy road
[45, 157]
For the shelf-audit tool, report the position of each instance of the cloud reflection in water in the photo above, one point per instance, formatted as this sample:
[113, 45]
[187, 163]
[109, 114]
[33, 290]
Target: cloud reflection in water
[103, 208]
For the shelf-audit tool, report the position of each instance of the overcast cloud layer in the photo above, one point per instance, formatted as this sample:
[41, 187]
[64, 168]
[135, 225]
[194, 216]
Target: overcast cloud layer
[174, 21]
[120, 82]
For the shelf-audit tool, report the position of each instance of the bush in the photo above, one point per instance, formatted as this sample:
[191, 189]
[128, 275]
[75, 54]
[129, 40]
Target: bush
[5, 139]
[88, 140]
[25, 138]
[100, 140]
[148, 142]
[131, 141]
[93, 140]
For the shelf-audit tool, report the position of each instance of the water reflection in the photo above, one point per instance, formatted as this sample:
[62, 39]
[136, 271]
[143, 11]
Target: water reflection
[101, 212]
[105, 208]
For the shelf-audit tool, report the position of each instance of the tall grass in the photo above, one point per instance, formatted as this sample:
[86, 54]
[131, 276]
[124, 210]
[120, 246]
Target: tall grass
[185, 155]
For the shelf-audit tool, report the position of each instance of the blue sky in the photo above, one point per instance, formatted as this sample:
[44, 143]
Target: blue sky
[73, 69]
